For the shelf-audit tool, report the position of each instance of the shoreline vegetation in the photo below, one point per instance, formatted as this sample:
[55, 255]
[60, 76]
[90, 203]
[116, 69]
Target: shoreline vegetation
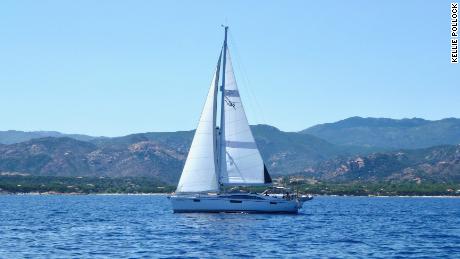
[43, 185]
[13, 184]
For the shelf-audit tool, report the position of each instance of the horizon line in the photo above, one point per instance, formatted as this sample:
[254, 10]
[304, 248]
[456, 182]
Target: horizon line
[105, 136]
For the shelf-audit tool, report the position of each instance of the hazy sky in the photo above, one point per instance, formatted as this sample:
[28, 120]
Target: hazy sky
[118, 67]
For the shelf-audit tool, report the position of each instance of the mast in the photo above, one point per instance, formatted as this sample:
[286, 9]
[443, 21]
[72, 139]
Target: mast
[222, 159]
[215, 137]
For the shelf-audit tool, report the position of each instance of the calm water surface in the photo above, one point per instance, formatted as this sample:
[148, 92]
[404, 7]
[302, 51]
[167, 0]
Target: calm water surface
[97, 226]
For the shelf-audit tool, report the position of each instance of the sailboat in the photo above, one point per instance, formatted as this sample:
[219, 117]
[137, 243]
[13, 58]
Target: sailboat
[227, 155]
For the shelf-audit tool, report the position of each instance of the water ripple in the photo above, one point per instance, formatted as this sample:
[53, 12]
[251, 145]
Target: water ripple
[144, 227]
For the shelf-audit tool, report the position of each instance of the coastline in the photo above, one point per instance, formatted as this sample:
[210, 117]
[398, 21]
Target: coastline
[85, 194]
[166, 194]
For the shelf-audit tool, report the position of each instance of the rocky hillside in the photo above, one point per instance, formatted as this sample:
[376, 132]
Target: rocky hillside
[70, 157]
[435, 164]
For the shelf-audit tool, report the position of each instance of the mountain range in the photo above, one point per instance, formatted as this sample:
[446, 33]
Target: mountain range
[348, 150]
[389, 133]
[16, 136]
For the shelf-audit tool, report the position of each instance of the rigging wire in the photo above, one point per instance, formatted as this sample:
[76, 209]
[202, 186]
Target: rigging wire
[254, 104]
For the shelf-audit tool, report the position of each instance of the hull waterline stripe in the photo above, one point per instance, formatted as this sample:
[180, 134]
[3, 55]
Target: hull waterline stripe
[236, 211]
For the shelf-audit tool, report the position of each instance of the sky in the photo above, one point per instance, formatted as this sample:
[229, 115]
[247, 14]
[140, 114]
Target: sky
[111, 68]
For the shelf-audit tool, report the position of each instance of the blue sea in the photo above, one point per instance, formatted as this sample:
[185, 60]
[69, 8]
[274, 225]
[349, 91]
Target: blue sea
[143, 226]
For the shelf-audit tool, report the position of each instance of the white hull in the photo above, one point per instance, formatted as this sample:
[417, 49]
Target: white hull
[248, 203]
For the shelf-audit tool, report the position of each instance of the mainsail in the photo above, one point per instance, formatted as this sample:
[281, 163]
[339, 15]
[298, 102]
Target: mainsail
[243, 164]
[200, 169]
